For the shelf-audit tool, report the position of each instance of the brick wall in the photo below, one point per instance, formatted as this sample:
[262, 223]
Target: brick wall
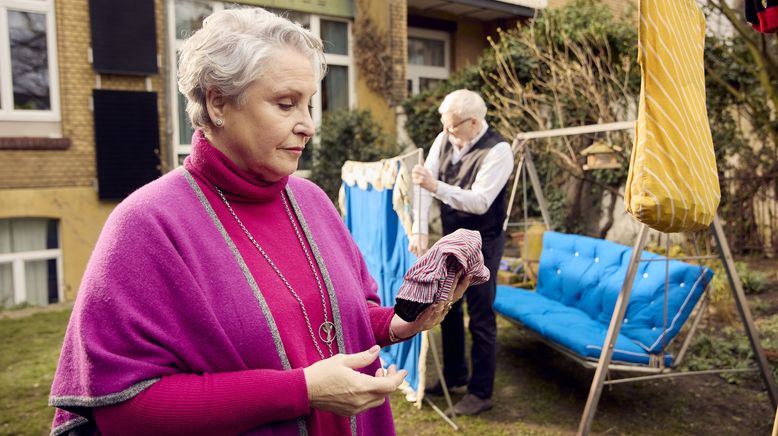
[75, 166]
[398, 19]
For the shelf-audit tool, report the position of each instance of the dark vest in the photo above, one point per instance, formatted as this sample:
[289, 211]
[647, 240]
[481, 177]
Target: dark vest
[463, 174]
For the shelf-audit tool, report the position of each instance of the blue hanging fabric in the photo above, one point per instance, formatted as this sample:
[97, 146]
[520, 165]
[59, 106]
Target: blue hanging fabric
[375, 199]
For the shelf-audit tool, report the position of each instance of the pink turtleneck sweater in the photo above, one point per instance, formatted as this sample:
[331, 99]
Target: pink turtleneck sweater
[238, 401]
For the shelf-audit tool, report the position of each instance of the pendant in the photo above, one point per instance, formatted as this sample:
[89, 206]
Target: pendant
[327, 332]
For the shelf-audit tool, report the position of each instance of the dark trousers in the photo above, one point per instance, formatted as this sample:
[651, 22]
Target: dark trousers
[483, 329]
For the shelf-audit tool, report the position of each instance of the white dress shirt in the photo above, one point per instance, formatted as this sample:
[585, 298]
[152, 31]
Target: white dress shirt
[492, 176]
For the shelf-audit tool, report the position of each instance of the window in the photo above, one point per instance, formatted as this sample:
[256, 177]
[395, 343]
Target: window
[29, 88]
[426, 51]
[335, 37]
[428, 59]
[189, 16]
[184, 18]
[336, 91]
[30, 262]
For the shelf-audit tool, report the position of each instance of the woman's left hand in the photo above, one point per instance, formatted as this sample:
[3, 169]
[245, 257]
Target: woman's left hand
[432, 315]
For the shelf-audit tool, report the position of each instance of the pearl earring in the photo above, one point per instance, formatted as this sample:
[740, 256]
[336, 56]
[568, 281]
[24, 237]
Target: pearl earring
[219, 122]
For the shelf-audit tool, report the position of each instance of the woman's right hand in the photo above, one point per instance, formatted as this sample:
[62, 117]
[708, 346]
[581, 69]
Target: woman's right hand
[335, 385]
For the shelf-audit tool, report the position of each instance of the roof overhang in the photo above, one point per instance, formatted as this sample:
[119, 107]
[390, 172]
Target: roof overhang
[484, 10]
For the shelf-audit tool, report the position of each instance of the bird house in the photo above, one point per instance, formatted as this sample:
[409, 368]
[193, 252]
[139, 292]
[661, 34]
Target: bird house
[600, 156]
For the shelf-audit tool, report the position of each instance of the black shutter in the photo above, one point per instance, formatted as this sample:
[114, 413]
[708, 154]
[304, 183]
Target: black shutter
[127, 139]
[124, 36]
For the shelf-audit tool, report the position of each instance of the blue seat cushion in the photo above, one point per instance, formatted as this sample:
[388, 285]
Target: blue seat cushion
[566, 326]
[580, 279]
[587, 274]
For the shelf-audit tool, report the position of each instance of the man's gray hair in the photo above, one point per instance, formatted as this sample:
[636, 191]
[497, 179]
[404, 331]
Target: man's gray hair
[464, 104]
[232, 49]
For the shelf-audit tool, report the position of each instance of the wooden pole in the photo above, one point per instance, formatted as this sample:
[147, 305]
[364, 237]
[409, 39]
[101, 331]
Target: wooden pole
[742, 307]
[613, 333]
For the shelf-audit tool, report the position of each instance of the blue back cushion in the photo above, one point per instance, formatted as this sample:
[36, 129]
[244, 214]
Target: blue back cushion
[587, 273]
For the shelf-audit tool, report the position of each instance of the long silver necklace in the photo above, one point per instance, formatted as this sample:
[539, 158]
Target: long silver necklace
[326, 328]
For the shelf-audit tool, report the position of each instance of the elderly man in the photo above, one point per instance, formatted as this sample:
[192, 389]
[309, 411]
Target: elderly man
[467, 170]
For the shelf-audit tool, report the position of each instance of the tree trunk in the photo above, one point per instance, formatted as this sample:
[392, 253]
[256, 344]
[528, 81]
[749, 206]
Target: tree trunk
[609, 215]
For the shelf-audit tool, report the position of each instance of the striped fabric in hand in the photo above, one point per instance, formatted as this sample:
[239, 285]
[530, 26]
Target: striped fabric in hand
[431, 278]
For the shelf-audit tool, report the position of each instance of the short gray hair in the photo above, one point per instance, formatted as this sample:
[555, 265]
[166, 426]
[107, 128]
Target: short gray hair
[464, 104]
[232, 49]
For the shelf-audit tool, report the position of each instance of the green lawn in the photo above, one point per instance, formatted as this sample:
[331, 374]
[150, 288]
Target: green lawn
[28, 357]
[537, 392]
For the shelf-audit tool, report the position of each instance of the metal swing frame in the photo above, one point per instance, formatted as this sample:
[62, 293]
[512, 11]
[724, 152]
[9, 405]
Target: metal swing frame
[604, 365]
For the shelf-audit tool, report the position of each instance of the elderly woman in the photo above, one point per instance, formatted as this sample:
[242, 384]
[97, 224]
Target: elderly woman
[227, 297]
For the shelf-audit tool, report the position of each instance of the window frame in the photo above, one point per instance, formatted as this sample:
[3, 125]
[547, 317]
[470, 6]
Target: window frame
[175, 44]
[19, 258]
[416, 72]
[7, 111]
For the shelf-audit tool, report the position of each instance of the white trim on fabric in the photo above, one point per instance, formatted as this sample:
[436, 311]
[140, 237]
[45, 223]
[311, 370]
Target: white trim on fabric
[68, 425]
[102, 400]
[677, 314]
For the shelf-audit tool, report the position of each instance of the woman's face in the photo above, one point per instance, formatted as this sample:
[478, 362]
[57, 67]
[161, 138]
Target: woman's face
[265, 133]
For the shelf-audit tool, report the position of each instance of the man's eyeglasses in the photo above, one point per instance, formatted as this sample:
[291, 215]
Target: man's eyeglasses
[450, 129]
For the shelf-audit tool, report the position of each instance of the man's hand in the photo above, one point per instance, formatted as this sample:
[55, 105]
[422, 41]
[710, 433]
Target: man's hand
[418, 244]
[422, 176]
[335, 386]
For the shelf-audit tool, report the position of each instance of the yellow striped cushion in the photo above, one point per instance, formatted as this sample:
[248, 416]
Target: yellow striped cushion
[672, 184]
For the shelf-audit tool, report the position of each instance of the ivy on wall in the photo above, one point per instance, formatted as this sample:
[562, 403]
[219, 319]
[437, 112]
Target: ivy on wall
[371, 53]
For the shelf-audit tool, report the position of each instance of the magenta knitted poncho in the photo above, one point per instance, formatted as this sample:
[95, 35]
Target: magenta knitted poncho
[167, 291]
